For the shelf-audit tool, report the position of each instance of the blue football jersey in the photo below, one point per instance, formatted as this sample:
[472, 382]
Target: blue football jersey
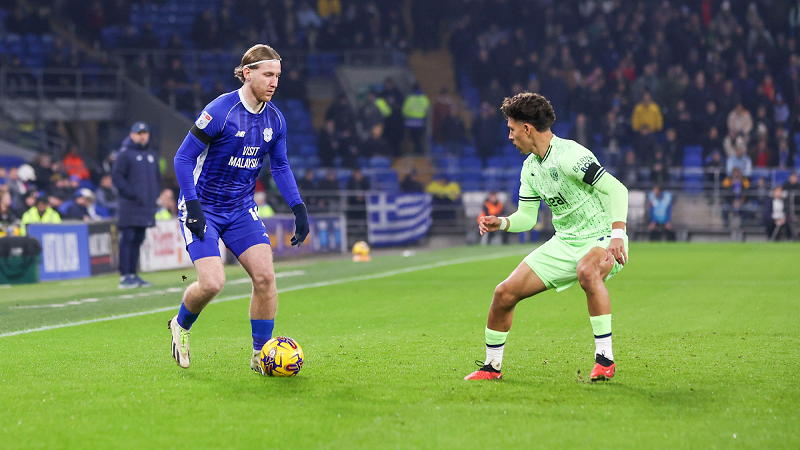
[236, 140]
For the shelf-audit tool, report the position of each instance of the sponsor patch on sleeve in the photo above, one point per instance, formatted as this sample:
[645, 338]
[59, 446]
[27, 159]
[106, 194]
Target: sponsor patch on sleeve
[203, 121]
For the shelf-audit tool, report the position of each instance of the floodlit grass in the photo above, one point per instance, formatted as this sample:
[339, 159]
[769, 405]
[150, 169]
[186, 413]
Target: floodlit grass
[705, 338]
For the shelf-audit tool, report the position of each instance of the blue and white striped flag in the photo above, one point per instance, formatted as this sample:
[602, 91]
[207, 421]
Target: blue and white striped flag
[395, 219]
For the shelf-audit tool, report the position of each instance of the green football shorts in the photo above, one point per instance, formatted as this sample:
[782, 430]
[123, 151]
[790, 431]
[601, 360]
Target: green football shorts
[556, 261]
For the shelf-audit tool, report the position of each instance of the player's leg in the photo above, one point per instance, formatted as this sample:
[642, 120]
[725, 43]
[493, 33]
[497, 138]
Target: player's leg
[521, 284]
[257, 261]
[210, 279]
[592, 271]
[247, 238]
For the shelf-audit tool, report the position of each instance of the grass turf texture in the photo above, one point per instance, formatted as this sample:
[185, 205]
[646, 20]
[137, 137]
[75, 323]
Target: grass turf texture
[705, 338]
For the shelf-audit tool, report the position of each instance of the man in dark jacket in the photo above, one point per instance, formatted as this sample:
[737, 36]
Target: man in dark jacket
[138, 181]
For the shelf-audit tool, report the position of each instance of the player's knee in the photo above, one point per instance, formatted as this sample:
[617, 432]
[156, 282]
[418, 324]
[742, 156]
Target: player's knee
[212, 284]
[588, 274]
[263, 280]
[504, 297]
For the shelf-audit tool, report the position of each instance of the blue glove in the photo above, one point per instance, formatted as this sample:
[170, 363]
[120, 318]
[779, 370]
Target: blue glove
[301, 228]
[195, 219]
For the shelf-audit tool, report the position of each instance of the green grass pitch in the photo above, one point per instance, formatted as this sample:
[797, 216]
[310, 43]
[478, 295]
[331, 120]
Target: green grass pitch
[705, 339]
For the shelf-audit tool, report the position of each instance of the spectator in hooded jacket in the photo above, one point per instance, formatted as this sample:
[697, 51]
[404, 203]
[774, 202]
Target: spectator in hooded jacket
[138, 181]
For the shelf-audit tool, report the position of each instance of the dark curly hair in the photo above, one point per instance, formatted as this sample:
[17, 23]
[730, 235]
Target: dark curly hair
[531, 108]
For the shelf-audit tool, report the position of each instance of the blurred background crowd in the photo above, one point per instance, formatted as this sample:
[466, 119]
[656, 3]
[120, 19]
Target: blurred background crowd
[676, 95]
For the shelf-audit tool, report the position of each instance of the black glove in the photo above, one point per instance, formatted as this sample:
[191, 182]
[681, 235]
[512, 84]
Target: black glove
[300, 224]
[195, 219]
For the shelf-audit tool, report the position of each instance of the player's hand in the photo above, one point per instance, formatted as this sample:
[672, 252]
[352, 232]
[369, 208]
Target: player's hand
[195, 219]
[301, 227]
[488, 223]
[616, 250]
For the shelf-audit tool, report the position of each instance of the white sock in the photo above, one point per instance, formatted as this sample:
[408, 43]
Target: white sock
[602, 346]
[494, 356]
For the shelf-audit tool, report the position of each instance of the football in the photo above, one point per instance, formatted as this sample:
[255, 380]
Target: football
[361, 251]
[281, 357]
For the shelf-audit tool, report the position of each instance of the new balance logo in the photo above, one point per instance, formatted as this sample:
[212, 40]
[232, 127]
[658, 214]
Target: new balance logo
[240, 133]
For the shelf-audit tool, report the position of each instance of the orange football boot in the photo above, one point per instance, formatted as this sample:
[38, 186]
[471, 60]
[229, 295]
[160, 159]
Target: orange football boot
[486, 372]
[603, 369]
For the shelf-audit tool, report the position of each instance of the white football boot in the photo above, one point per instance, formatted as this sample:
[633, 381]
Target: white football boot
[180, 343]
[255, 362]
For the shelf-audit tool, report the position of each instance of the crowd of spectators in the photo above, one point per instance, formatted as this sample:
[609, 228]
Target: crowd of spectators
[47, 191]
[639, 81]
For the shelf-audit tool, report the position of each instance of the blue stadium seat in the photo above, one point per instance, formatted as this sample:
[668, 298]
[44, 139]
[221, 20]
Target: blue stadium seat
[471, 183]
[561, 129]
[514, 162]
[693, 179]
[692, 156]
[780, 176]
[761, 172]
[510, 150]
[380, 162]
[470, 163]
[437, 149]
[469, 150]
[493, 179]
[495, 162]
[385, 180]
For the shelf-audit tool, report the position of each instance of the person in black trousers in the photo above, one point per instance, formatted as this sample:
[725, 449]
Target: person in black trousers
[137, 178]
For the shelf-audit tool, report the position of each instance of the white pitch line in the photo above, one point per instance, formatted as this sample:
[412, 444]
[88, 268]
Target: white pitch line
[171, 290]
[390, 273]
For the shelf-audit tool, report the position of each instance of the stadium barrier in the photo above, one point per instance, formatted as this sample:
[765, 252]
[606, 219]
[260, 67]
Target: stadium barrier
[80, 250]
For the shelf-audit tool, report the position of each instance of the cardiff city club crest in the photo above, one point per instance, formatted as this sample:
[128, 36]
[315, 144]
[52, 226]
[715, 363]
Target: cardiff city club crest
[554, 173]
[267, 134]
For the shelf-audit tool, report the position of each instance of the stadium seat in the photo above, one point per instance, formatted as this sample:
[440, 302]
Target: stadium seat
[494, 179]
[470, 163]
[495, 162]
[693, 179]
[514, 162]
[385, 180]
[380, 162]
[761, 172]
[780, 176]
[692, 156]
[562, 129]
[471, 183]
[438, 150]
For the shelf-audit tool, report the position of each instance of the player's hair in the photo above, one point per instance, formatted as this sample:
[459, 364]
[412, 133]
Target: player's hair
[531, 108]
[258, 52]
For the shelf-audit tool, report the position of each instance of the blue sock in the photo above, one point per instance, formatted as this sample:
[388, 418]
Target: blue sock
[262, 332]
[186, 318]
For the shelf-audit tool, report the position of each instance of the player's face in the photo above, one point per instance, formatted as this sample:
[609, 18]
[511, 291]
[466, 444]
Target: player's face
[520, 135]
[264, 80]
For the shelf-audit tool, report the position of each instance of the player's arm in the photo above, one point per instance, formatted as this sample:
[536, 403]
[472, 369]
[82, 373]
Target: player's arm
[583, 165]
[194, 144]
[525, 217]
[287, 185]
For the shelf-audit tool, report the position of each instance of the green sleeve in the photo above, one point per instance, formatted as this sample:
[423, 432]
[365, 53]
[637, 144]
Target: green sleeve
[617, 194]
[581, 164]
[524, 219]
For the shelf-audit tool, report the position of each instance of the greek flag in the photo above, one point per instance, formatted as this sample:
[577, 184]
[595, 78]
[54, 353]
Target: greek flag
[395, 219]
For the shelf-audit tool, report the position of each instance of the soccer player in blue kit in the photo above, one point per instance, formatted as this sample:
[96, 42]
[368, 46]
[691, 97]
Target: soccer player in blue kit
[217, 166]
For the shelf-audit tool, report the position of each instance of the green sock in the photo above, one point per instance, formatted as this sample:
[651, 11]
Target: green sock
[601, 325]
[495, 338]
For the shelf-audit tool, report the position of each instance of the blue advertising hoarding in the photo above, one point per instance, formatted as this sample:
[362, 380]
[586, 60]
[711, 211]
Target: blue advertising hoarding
[65, 250]
[327, 235]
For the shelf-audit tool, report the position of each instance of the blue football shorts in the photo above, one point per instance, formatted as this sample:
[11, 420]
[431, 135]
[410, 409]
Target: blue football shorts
[239, 231]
